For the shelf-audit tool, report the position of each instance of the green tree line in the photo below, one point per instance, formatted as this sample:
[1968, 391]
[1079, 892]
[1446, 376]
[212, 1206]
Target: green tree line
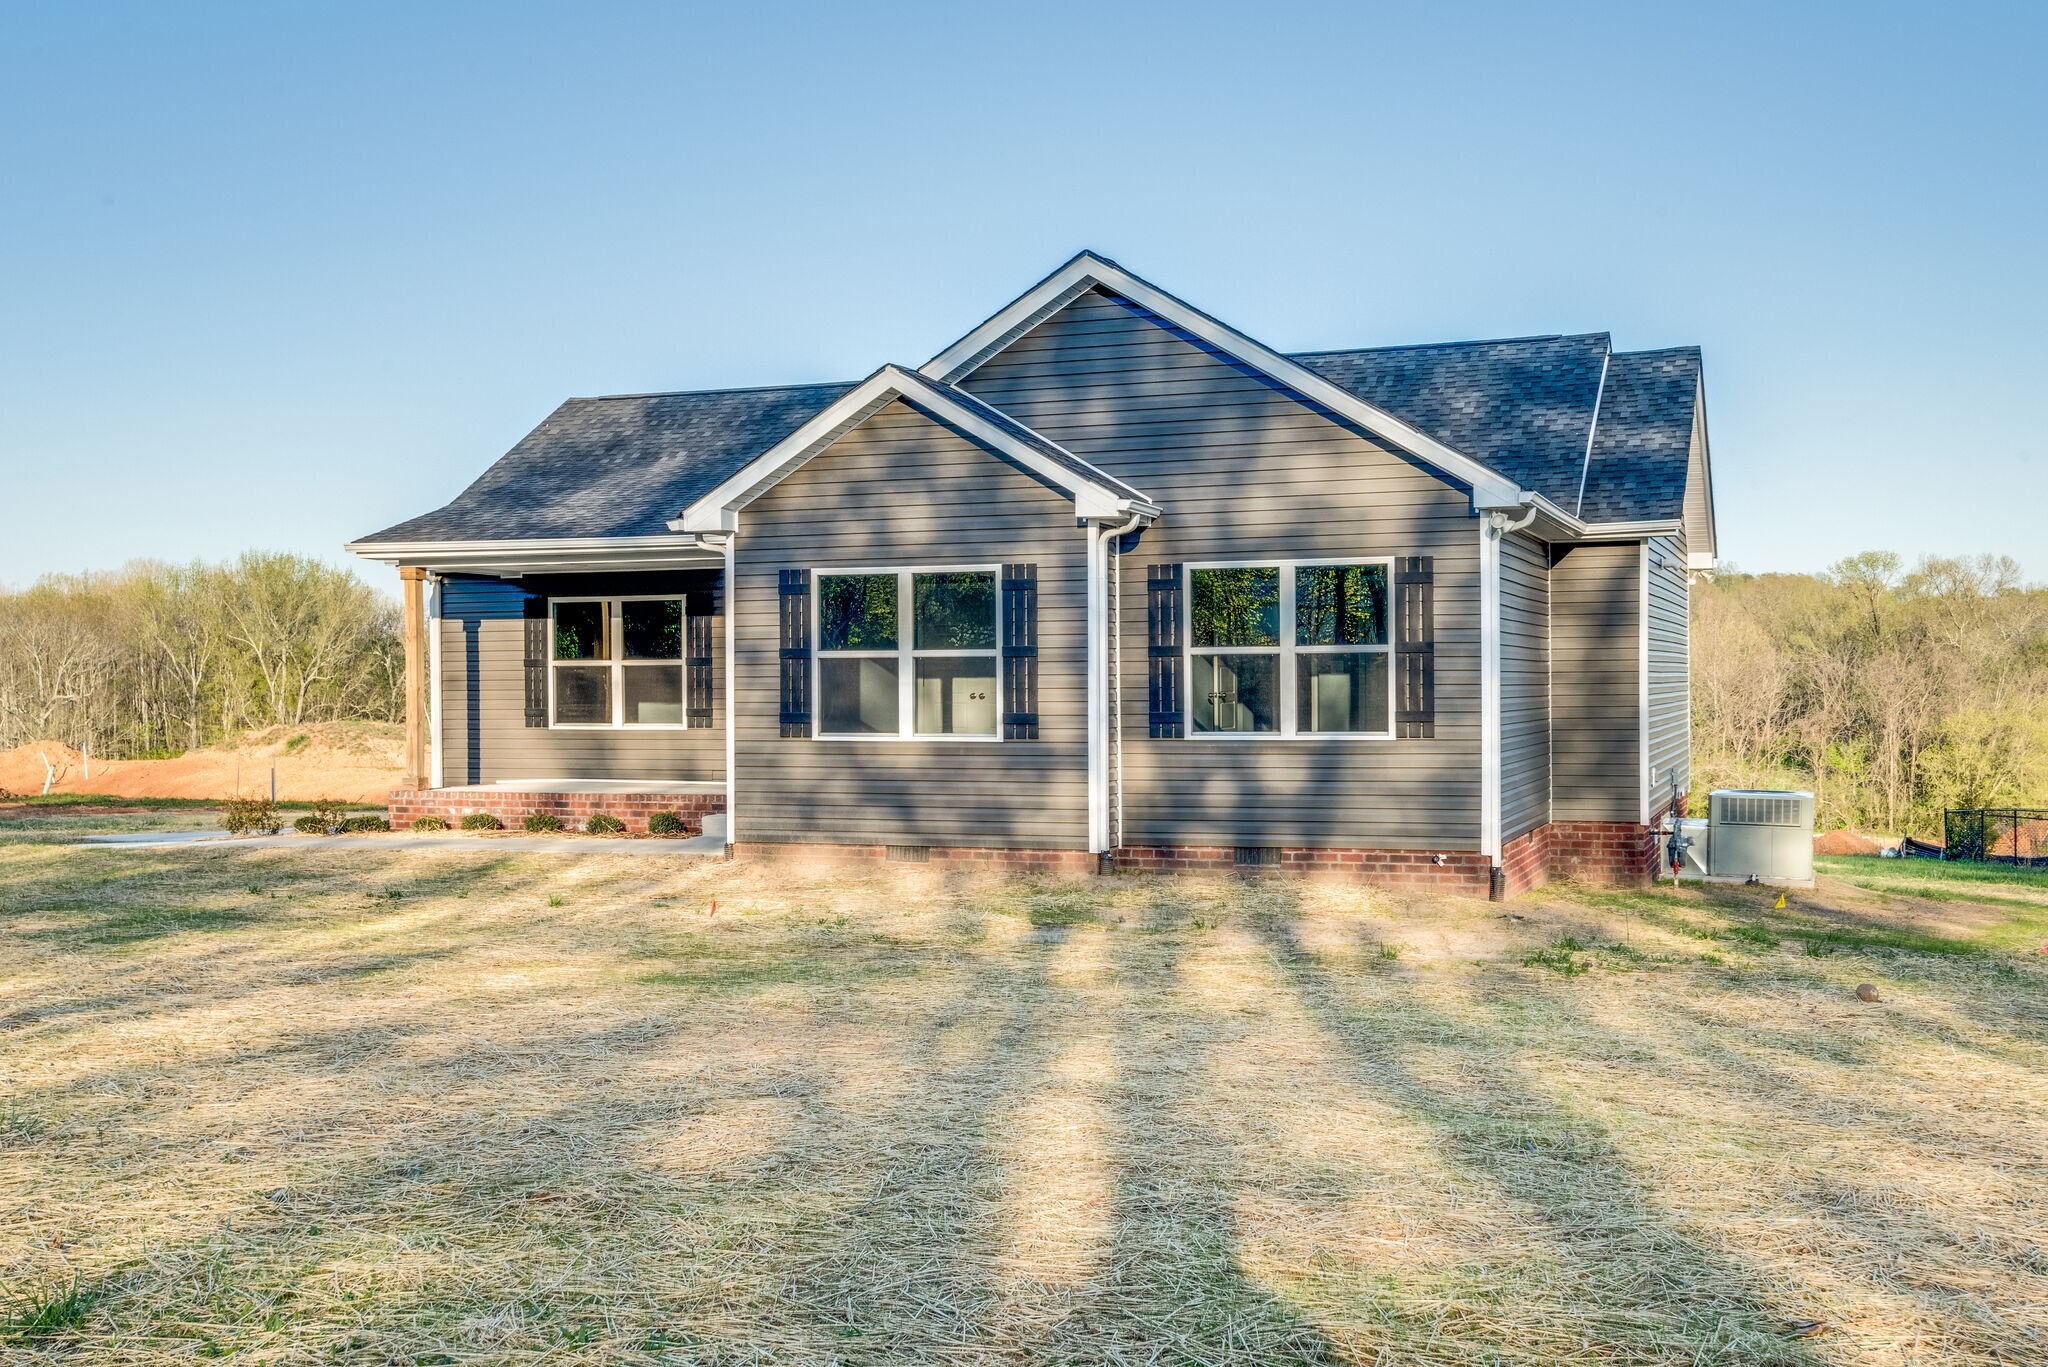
[155, 659]
[1892, 693]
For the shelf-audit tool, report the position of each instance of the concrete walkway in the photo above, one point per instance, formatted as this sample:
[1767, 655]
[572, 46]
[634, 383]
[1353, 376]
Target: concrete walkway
[695, 846]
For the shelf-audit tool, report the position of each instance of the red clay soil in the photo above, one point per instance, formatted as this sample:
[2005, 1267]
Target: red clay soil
[1849, 842]
[348, 762]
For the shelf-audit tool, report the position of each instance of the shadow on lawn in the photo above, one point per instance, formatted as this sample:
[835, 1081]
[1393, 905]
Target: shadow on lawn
[1648, 1287]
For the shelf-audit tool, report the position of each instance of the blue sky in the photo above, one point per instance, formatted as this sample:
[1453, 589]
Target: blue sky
[279, 276]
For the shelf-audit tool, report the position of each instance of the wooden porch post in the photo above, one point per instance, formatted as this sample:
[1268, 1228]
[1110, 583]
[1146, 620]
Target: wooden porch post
[414, 580]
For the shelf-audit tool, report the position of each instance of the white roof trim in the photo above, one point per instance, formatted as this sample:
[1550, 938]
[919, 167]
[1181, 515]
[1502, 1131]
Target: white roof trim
[718, 511]
[1699, 417]
[1489, 487]
[539, 555]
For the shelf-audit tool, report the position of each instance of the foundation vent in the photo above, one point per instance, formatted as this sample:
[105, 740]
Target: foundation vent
[907, 854]
[1258, 856]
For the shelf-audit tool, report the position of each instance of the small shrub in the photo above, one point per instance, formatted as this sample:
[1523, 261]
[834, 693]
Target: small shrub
[291, 747]
[430, 822]
[482, 821]
[310, 825]
[604, 824]
[329, 814]
[357, 825]
[665, 823]
[247, 815]
[542, 822]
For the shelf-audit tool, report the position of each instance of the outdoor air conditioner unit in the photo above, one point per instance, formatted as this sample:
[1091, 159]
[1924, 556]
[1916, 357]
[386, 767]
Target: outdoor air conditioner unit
[1763, 835]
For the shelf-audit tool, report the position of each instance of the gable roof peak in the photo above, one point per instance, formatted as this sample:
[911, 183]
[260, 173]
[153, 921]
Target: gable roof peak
[1085, 271]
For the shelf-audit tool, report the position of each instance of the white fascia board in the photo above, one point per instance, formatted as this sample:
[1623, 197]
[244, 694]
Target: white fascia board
[1699, 399]
[1562, 526]
[538, 555]
[718, 511]
[1699, 560]
[1489, 487]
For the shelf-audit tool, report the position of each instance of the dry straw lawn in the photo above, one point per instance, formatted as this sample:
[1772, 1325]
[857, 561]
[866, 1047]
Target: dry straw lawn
[389, 1105]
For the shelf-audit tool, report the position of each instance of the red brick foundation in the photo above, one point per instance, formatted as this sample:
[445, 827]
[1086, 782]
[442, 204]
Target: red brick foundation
[1607, 852]
[1618, 852]
[958, 856]
[574, 809]
[1525, 861]
[1466, 873]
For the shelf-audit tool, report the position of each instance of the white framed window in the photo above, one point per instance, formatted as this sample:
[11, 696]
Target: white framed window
[905, 654]
[1291, 648]
[616, 662]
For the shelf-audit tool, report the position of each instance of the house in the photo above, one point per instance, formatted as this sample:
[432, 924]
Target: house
[1105, 582]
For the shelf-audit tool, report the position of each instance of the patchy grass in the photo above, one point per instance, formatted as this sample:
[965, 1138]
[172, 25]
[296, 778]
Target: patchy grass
[44, 1314]
[401, 1105]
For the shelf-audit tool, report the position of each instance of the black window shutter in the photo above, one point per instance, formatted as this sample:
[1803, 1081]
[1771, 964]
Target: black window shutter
[1415, 646]
[697, 657]
[796, 654]
[1163, 663]
[536, 613]
[1020, 652]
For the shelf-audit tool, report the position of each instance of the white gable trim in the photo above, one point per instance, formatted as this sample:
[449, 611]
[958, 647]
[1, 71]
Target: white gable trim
[1703, 450]
[1098, 496]
[1490, 489]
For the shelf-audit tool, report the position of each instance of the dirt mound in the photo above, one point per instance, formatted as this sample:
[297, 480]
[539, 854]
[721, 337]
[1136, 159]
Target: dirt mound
[1849, 842]
[347, 761]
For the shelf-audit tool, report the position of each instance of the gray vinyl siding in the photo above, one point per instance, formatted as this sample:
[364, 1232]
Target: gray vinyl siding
[1670, 670]
[1524, 685]
[1596, 738]
[903, 491]
[487, 717]
[1247, 472]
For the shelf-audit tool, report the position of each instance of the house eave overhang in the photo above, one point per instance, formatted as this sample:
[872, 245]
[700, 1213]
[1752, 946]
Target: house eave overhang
[1552, 523]
[1096, 495]
[1490, 489]
[539, 555]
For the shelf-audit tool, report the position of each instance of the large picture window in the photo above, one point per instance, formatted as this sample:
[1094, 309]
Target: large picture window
[1290, 649]
[616, 662]
[907, 653]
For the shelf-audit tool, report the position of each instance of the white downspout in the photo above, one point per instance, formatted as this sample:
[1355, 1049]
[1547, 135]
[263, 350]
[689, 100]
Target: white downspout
[1099, 722]
[1493, 527]
[732, 730]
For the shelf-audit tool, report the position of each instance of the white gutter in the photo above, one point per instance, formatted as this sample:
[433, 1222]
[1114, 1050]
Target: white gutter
[540, 554]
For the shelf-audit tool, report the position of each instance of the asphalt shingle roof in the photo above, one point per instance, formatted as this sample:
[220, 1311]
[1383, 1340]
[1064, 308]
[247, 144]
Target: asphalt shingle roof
[619, 466]
[626, 465]
[1643, 444]
[1522, 405]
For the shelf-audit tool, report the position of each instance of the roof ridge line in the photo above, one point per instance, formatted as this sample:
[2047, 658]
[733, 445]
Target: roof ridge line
[1429, 346]
[732, 389]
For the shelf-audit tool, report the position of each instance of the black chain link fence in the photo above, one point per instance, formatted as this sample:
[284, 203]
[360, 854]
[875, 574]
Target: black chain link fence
[1997, 835]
